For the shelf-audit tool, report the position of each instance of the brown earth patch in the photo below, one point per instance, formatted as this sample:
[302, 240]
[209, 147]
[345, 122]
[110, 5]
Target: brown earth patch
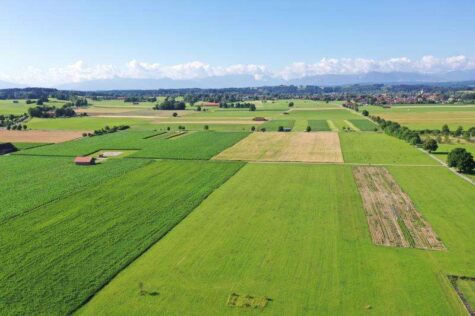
[35, 136]
[392, 217]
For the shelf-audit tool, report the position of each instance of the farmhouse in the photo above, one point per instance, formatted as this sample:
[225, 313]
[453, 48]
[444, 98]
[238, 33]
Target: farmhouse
[84, 161]
[6, 148]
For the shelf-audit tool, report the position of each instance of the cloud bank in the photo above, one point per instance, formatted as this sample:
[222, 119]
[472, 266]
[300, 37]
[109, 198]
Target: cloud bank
[80, 71]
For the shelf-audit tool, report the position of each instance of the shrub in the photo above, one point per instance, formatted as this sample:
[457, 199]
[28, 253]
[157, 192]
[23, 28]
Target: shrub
[309, 129]
[280, 128]
[206, 127]
[461, 159]
[430, 145]
[365, 113]
[175, 114]
[253, 128]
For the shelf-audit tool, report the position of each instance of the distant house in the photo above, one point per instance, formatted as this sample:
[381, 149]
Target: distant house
[287, 129]
[210, 104]
[84, 161]
[259, 119]
[6, 148]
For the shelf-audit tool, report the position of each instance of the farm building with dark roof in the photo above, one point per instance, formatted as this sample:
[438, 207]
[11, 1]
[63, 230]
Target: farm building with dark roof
[84, 161]
[6, 148]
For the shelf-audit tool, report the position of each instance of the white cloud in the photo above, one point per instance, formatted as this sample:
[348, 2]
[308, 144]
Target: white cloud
[80, 71]
[427, 64]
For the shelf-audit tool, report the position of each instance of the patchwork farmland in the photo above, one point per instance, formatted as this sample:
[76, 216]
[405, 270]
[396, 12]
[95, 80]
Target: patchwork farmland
[305, 209]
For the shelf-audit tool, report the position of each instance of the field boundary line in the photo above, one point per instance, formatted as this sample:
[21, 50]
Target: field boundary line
[338, 163]
[132, 260]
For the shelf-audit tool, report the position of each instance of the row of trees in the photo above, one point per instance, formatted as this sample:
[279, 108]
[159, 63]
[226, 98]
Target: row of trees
[170, 104]
[13, 121]
[45, 111]
[445, 131]
[107, 130]
[136, 99]
[395, 129]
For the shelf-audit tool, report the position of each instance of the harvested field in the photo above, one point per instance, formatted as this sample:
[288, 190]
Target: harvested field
[392, 217]
[38, 136]
[306, 147]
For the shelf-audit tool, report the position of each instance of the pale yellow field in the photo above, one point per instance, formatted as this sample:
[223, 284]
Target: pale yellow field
[278, 146]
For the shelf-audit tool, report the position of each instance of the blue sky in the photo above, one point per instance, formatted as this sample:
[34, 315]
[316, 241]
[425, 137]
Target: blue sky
[54, 34]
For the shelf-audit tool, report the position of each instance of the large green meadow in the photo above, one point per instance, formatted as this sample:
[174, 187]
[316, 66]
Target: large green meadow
[167, 230]
[149, 144]
[297, 235]
[421, 117]
[58, 255]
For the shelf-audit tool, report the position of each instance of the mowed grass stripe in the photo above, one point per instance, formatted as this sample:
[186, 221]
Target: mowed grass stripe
[55, 258]
[294, 233]
[332, 125]
[319, 125]
[363, 125]
[351, 126]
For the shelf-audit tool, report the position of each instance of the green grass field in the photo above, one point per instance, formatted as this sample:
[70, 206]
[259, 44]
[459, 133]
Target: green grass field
[468, 289]
[363, 125]
[122, 104]
[23, 146]
[378, 148]
[196, 145]
[427, 117]
[82, 123]
[211, 127]
[444, 149]
[8, 107]
[86, 145]
[28, 182]
[303, 104]
[321, 261]
[55, 257]
[273, 126]
[161, 230]
[319, 125]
